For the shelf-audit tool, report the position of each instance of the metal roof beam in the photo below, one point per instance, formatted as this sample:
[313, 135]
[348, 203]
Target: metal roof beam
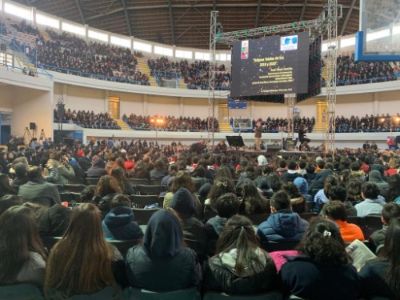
[128, 23]
[78, 5]
[346, 20]
[257, 22]
[210, 5]
[171, 21]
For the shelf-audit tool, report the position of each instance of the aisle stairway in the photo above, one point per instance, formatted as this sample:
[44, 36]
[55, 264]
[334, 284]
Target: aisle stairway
[182, 84]
[122, 124]
[225, 127]
[143, 67]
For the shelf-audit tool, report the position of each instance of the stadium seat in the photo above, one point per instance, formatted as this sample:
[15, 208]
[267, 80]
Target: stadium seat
[258, 218]
[371, 224]
[223, 296]
[70, 196]
[140, 201]
[188, 294]
[308, 216]
[75, 188]
[136, 181]
[20, 292]
[142, 216]
[280, 246]
[144, 189]
[92, 180]
[105, 294]
[123, 246]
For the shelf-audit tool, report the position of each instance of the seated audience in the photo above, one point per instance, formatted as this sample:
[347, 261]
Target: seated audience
[21, 176]
[37, 190]
[226, 206]
[372, 203]
[376, 177]
[163, 263]
[336, 211]
[323, 270]
[394, 188]
[5, 187]
[97, 169]
[82, 262]
[9, 200]
[283, 224]
[390, 212]
[194, 234]
[106, 189]
[380, 277]
[240, 266]
[119, 223]
[253, 203]
[23, 258]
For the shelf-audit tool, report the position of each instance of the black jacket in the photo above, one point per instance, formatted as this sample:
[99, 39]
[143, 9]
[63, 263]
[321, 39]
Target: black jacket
[220, 277]
[119, 224]
[304, 278]
[163, 274]
[373, 279]
[195, 236]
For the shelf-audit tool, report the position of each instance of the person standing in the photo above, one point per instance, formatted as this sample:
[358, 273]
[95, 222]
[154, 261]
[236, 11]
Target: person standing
[258, 135]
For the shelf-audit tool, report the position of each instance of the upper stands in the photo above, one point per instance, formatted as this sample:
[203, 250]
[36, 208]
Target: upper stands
[67, 53]
[88, 119]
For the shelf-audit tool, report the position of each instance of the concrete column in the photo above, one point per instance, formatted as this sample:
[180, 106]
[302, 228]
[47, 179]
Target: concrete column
[376, 108]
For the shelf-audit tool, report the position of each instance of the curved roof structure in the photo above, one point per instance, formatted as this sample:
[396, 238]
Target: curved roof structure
[185, 23]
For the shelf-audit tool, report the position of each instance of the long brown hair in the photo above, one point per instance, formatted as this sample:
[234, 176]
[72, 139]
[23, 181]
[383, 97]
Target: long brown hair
[107, 185]
[80, 262]
[19, 236]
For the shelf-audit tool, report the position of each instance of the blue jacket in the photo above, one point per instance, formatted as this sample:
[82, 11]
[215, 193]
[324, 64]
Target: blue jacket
[119, 224]
[283, 225]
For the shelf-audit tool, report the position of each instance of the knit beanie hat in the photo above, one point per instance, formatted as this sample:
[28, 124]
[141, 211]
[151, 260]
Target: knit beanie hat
[183, 202]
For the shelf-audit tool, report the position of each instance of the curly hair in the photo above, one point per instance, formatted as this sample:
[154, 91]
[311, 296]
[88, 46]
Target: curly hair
[323, 243]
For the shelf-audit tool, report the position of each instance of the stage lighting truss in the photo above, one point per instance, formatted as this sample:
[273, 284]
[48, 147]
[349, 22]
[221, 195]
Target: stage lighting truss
[325, 25]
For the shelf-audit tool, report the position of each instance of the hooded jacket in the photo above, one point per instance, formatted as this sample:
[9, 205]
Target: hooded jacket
[162, 263]
[283, 225]
[376, 177]
[119, 224]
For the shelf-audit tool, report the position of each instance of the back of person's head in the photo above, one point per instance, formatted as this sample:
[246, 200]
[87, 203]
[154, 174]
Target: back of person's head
[172, 169]
[391, 252]
[292, 165]
[220, 187]
[329, 183]
[19, 236]
[390, 211]
[163, 237]
[353, 189]
[291, 189]
[87, 194]
[370, 190]
[394, 187]
[107, 185]
[280, 200]
[183, 203]
[321, 164]
[182, 179]
[282, 164]
[275, 182]
[159, 164]
[120, 200]
[200, 171]
[80, 262]
[227, 205]
[21, 170]
[335, 210]
[239, 234]
[337, 193]
[247, 188]
[8, 201]
[35, 173]
[118, 173]
[323, 243]
[355, 166]
[310, 168]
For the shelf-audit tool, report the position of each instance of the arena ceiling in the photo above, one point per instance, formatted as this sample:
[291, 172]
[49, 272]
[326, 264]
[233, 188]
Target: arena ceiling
[186, 22]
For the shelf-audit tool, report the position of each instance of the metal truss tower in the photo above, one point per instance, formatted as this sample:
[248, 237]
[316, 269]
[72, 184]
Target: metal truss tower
[211, 76]
[331, 65]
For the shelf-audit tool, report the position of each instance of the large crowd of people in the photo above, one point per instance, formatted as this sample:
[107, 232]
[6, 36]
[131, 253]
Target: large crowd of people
[350, 72]
[271, 125]
[368, 123]
[86, 119]
[67, 53]
[195, 74]
[169, 123]
[303, 208]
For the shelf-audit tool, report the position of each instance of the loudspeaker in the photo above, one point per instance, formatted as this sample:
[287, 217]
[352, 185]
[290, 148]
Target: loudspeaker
[32, 126]
[235, 140]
